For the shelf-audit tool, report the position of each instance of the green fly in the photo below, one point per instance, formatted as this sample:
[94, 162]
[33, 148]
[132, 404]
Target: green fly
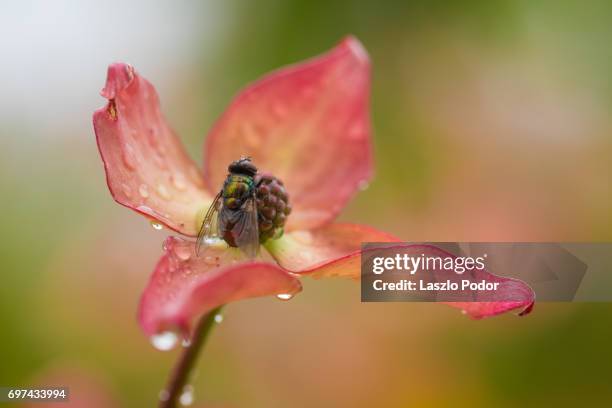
[233, 214]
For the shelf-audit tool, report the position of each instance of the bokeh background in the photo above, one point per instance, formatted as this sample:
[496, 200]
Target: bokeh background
[492, 122]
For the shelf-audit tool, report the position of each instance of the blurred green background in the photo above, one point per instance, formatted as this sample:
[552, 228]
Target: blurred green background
[492, 122]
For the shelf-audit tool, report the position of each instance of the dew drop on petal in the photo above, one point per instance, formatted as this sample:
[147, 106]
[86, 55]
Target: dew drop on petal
[156, 225]
[178, 180]
[126, 190]
[164, 341]
[129, 159]
[249, 134]
[284, 296]
[186, 397]
[186, 342]
[363, 185]
[182, 252]
[143, 190]
[163, 192]
[163, 395]
[218, 318]
[210, 260]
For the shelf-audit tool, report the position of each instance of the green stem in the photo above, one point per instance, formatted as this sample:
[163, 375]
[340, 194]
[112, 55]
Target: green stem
[186, 362]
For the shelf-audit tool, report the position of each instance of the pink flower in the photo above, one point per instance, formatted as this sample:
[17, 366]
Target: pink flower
[307, 124]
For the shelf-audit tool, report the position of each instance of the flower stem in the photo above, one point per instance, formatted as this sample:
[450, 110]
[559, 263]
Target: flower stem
[186, 362]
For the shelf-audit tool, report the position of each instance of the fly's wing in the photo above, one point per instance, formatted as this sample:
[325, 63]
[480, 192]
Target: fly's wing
[248, 236]
[242, 226]
[210, 227]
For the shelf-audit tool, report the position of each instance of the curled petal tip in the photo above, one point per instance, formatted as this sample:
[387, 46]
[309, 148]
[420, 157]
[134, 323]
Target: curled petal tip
[147, 168]
[527, 310]
[118, 77]
[356, 48]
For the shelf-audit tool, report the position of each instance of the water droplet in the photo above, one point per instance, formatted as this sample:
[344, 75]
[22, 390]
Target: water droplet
[363, 185]
[126, 190]
[164, 341]
[156, 225]
[218, 318]
[154, 140]
[249, 134]
[143, 190]
[182, 252]
[284, 296]
[186, 397]
[215, 242]
[210, 260]
[129, 158]
[163, 192]
[178, 180]
[159, 161]
[163, 395]
[186, 342]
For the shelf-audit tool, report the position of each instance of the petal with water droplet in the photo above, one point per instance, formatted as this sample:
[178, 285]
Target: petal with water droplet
[307, 124]
[336, 250]
[333, 250]
[173, 299]
[147, 168]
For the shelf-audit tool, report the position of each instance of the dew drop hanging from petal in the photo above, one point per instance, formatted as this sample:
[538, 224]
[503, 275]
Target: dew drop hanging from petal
[284, 296]
[164, 341]
[156, 225]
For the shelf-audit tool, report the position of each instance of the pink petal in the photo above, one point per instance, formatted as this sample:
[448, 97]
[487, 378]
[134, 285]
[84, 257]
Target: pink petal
[184, 286]
[333, 250]
[307, 124]
[479, 310]
[146, 167]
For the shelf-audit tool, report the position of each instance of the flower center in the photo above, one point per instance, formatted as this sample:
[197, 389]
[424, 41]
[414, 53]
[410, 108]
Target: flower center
[273, 207]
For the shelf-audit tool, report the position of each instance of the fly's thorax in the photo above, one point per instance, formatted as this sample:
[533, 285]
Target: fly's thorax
[236, 189]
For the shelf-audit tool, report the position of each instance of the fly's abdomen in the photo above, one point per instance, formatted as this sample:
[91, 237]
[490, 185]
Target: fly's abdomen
[236, 190]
